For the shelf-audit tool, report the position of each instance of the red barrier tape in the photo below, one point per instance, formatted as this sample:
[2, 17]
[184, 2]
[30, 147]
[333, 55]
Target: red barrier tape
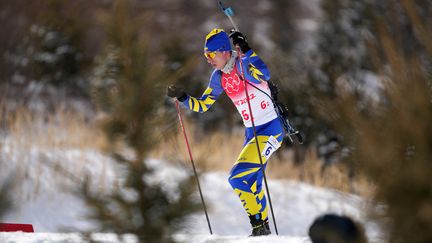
[16, 227]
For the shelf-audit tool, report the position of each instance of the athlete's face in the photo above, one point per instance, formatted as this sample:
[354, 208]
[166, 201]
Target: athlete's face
[218, 59]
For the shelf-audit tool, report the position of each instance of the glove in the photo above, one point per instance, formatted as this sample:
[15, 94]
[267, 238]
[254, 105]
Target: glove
[239, 40]
[176, 92]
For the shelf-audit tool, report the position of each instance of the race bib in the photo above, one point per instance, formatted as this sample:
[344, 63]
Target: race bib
[271, 146]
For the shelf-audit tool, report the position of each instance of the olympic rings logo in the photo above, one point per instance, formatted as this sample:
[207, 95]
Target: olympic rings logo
[232, 85]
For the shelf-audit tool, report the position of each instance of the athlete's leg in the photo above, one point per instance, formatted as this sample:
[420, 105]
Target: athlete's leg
[246, 175]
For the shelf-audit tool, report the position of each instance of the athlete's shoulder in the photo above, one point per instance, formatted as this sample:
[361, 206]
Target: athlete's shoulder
[216, 73]
[254, 67]
[215, 77]
[215, 81]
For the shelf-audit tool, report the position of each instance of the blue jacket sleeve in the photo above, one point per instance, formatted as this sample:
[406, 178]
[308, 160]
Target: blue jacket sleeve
[255, 69]
[210, 95]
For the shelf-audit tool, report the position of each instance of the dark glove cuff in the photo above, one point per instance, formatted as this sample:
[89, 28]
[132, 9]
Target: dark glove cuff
[244, 47]
[183, 97]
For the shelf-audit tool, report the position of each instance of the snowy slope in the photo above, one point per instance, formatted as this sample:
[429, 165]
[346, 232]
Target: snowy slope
[112, 238]
[295, 204]
[54, 209]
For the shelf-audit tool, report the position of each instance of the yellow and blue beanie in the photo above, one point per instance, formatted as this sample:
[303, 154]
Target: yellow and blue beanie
[217, 40]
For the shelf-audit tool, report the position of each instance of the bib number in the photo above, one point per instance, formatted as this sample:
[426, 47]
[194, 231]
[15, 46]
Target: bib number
[271, 146]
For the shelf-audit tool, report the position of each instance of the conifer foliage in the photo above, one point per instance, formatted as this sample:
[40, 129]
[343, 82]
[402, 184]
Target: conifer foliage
[391, 137]
[6, 188]
[134, 92]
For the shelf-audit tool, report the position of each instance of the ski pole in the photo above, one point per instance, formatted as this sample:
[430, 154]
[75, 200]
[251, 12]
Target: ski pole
[193, 164]
[229, 12]
[257, 143]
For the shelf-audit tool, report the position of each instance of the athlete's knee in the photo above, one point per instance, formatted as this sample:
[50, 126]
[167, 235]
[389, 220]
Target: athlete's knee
[235, 182]
[232, 181]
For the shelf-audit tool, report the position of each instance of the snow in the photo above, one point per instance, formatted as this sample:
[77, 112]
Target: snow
[241, 239]
[54, 210]
[295, 204]
[63, 237]
[108, 238]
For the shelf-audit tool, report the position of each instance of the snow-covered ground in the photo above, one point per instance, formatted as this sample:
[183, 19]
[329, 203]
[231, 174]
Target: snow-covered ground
[53, 210]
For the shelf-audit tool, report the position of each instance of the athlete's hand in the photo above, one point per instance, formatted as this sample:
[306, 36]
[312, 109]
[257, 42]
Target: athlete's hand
[176, 92]
[239, 40]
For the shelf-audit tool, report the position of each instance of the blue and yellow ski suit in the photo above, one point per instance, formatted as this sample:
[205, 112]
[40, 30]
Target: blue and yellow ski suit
[246, 175]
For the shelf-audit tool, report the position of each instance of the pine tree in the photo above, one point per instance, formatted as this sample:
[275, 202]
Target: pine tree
[135, 95]
[6, 188]
[391, 137]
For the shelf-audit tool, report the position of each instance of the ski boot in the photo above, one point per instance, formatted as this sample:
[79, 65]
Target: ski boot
[259, 227]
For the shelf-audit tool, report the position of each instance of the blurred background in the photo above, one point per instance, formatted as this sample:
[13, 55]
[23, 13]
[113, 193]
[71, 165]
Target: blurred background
[86, 76]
